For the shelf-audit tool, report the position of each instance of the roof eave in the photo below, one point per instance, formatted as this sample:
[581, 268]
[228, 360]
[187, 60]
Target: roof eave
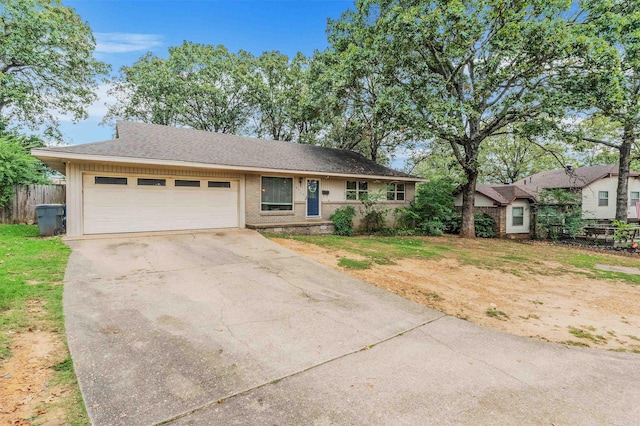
[50, 157]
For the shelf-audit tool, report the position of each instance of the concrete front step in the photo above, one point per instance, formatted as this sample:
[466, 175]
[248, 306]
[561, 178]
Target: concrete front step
[294, 228]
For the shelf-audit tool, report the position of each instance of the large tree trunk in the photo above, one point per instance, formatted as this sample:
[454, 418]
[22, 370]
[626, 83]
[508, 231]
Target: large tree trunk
[622, 192]
[468, 229]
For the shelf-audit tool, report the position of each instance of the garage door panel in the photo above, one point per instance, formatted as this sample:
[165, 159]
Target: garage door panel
[137, 208]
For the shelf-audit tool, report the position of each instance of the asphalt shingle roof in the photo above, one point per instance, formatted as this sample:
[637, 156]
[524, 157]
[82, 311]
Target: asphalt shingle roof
[550, 179]
[568, 178]
[504, 194]
[151, 141]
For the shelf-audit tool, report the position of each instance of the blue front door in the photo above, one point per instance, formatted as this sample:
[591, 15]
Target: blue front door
[313, 197]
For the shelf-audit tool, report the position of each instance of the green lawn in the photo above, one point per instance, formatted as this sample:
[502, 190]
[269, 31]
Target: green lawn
[380, 250]
[32, 269]
[507, 256]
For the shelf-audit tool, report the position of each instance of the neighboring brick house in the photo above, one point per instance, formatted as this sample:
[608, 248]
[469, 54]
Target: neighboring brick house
[159, 178]
[513, 206]
[510, 207]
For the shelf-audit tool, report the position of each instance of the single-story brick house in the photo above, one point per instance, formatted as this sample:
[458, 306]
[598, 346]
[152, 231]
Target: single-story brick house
[159, 178]
[510, 206]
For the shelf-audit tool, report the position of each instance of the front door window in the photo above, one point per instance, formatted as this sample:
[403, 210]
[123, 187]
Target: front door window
[313, 197]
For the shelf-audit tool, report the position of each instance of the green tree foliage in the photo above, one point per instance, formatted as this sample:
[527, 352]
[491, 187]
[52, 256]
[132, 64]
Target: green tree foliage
[505, 159]
[434, 160]
[200, 86]
[431, 211]
[47, 66]
[17, 165]
[145, 91]
[469, 68]
[605, 81]
[559, 213]
[624, 232]
[363, 104]
[502, 159]
[213, 83]
[279, 92]
[593, 154]
[209, 88]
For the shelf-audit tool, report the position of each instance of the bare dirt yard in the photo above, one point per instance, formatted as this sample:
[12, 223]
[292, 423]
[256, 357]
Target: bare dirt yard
[549, 292]
[28, 393]
[37, 380]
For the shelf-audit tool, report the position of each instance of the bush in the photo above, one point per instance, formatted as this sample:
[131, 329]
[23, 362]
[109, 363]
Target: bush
[483, 223]
[17, 166]
[559, 214]
[373, 221]
[431, 210]
[373, 216]
[342, 220]
[623, 232]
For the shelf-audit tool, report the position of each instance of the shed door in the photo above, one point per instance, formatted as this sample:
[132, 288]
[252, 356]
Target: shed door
[117, 204]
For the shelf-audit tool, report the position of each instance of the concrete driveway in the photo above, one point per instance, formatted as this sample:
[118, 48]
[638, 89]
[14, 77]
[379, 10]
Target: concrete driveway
[230, 328]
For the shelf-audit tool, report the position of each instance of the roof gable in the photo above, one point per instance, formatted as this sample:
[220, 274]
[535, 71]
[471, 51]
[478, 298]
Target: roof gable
[163, 143]
[504, 194]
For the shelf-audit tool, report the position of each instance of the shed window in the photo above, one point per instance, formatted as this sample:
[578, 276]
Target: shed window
[188, 183]
[635, 197]
[277, 193]
[214, 184]
[152, 182]
[357, 190]
[395, 192]
[105, 180]
[603, 198]
[518, 216]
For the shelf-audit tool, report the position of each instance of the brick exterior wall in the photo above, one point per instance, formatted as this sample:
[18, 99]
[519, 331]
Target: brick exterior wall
[328, 203]
[499, 216]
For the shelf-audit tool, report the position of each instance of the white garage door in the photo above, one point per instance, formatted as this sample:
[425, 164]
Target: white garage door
[114, 204]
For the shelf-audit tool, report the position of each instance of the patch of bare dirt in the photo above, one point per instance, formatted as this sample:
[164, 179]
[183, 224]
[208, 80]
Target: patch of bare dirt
[322, 255]
[603, 313]
[26, 395]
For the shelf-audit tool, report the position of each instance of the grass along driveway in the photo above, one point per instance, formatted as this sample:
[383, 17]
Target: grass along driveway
[544, 291]
[37, 381]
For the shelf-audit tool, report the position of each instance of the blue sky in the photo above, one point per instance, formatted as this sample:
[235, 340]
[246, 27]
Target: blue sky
[126, 30]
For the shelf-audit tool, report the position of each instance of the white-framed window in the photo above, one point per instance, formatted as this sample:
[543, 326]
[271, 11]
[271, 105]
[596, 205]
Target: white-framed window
[635, 197]
[603, 198]
[277, 194]
[395, 192]
[356, 190]
[517, 214]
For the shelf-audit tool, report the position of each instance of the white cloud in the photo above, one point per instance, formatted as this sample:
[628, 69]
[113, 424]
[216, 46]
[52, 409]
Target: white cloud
[126, 42]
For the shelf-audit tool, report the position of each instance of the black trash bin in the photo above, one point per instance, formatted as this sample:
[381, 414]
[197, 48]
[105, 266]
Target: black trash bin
[50, 219]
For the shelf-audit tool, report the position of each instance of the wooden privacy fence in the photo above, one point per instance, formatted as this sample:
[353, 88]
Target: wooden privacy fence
[25, 199]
